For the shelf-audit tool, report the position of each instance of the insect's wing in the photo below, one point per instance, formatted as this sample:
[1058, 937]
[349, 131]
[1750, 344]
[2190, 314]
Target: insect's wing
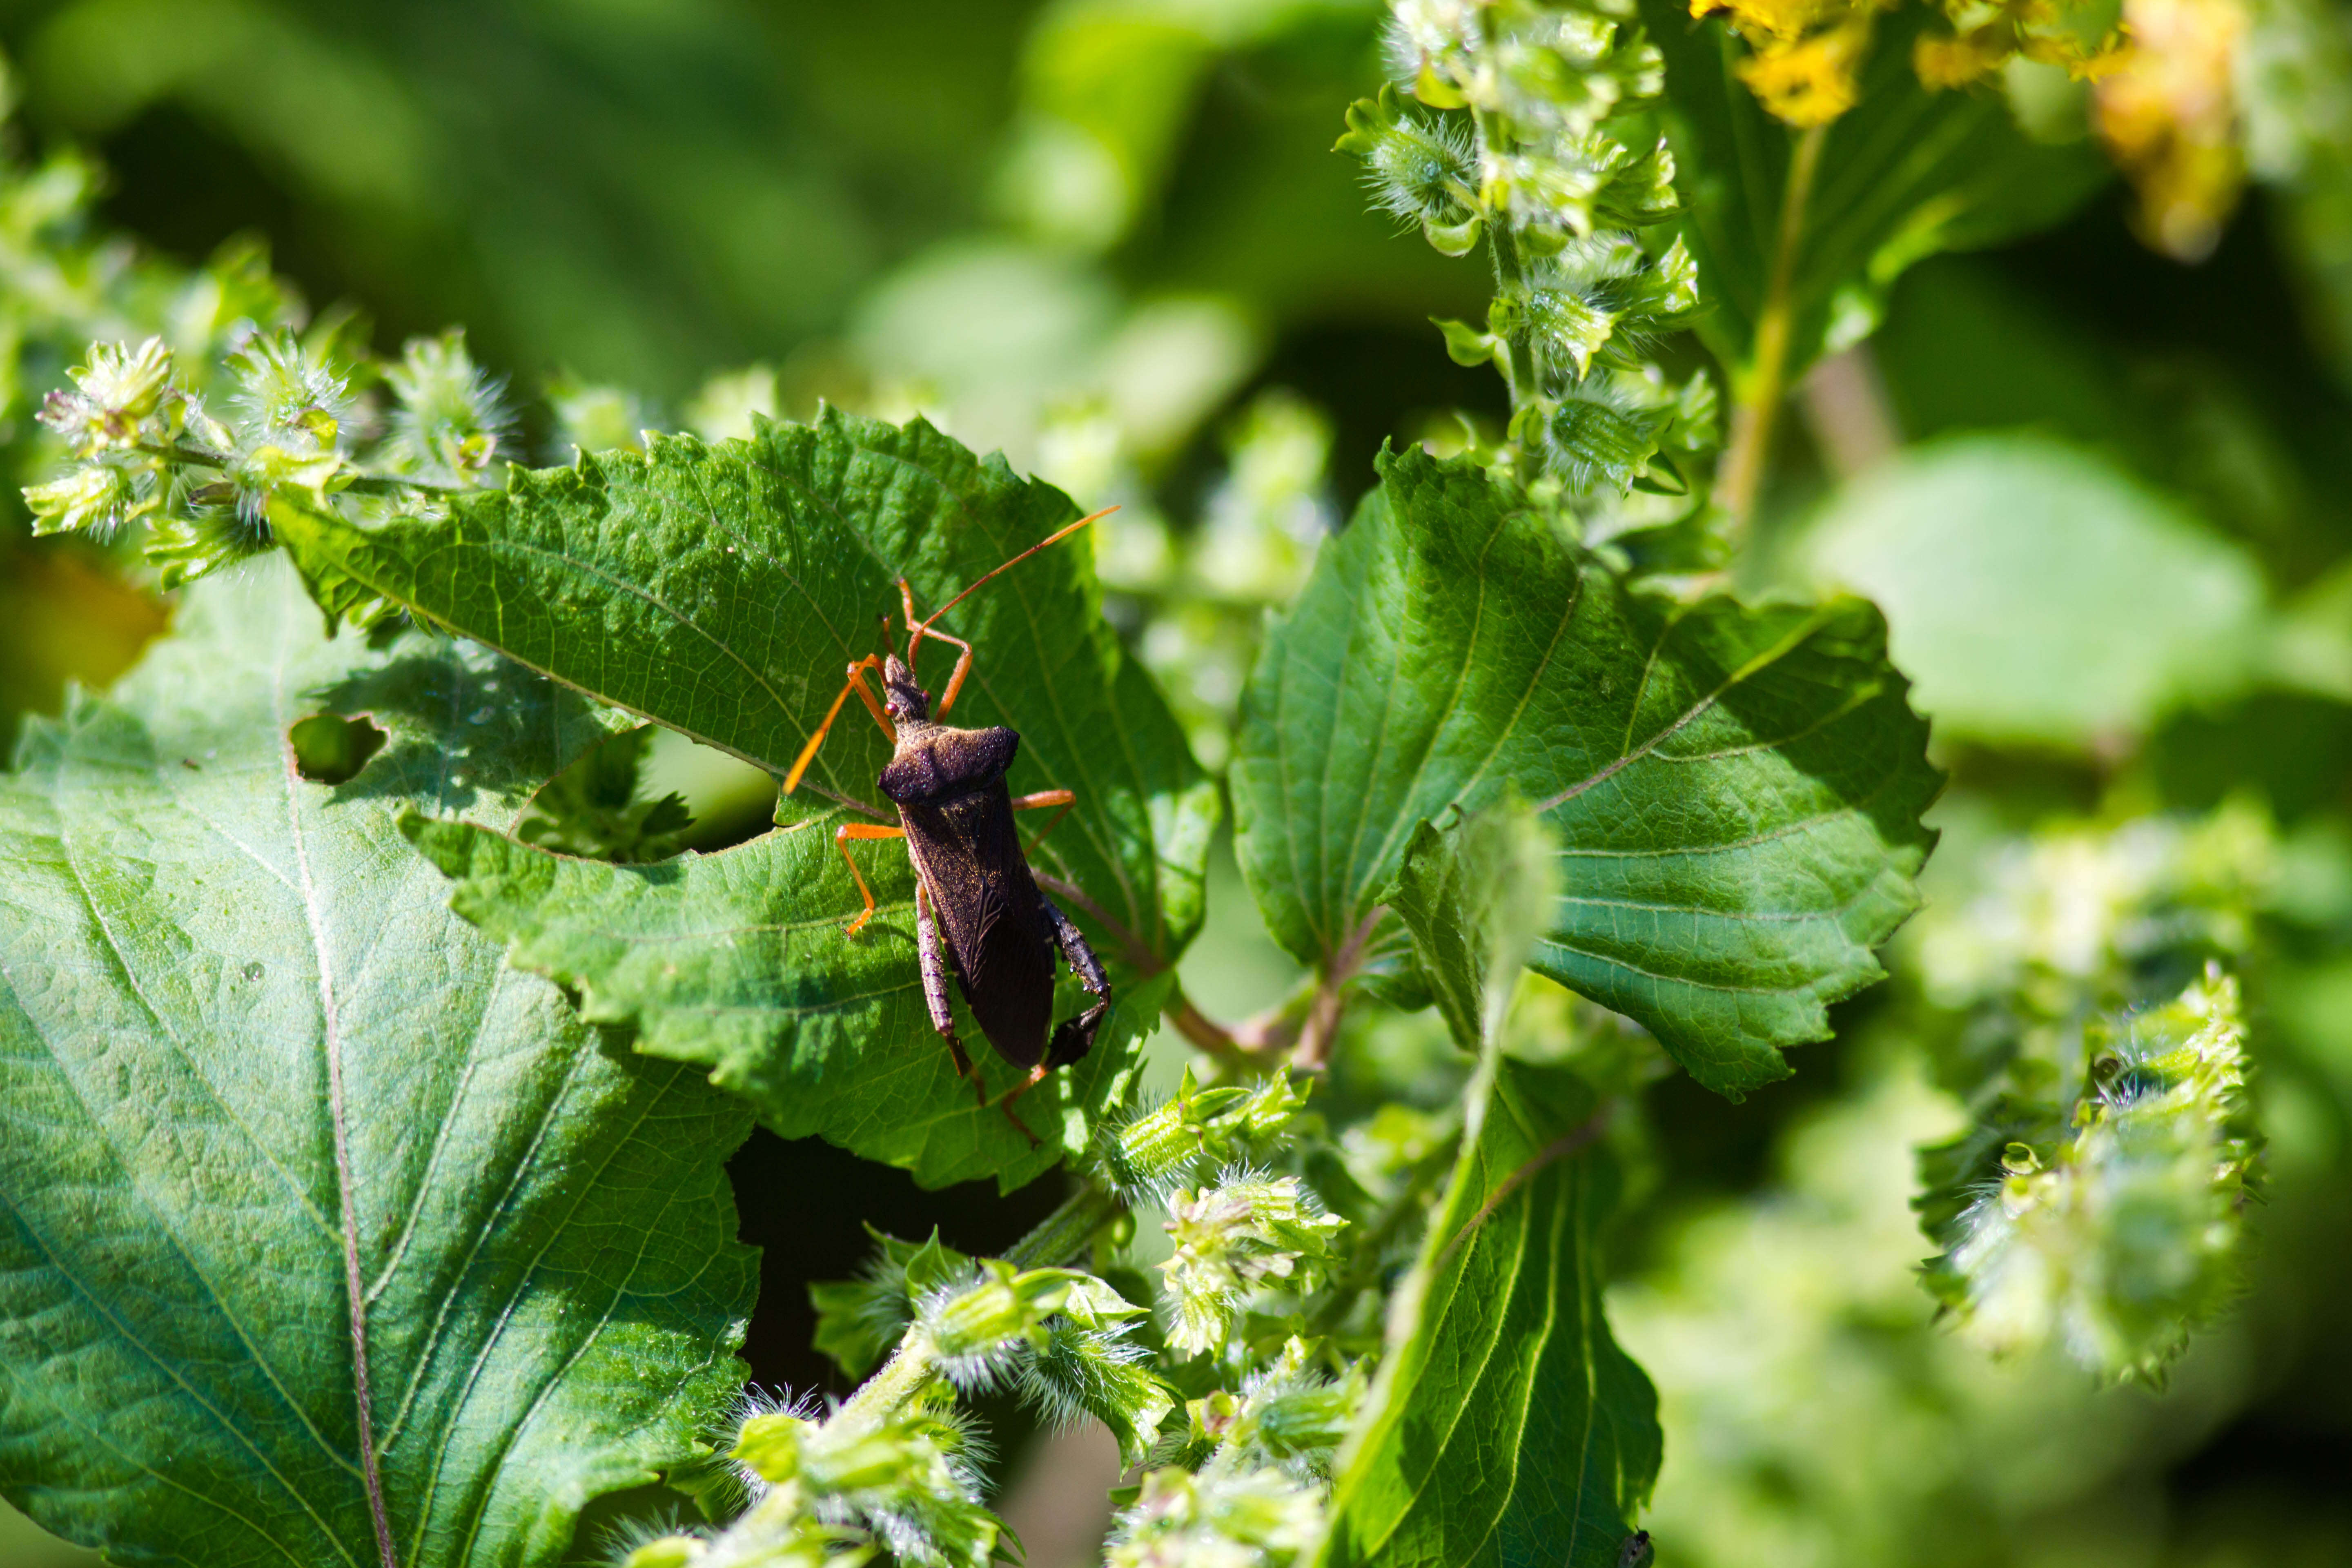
[990, 915]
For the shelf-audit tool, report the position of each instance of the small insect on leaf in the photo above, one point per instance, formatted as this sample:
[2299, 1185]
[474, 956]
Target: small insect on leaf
[979, 912]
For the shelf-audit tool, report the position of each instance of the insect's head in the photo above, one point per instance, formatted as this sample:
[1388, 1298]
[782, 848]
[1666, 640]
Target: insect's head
[901, 698]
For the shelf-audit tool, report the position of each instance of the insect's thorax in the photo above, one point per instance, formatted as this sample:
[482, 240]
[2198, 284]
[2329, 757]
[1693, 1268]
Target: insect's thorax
[939, 762]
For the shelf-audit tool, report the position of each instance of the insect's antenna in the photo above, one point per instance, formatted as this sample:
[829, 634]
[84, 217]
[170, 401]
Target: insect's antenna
[1055, 537]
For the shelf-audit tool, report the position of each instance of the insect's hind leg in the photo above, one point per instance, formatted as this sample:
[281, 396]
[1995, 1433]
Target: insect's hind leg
[1075, 1037]
[1073, 943]
[935, 988]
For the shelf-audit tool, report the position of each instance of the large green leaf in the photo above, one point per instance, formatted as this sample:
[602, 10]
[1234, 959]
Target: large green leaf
[1737, 790]
[720, 589]
[1506, 1426]
[1905, 173]
[251, 1069]
[735, 961]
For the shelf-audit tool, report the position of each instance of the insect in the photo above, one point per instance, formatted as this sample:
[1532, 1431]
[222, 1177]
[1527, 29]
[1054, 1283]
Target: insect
[972, 882]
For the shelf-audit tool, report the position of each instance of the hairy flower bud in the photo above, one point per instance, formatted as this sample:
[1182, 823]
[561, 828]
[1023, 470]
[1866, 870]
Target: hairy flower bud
[2123, 1235]
[1231, 1239]
[121, 396]
[1197, 1129]
[976, 1327]
[901, 1474]
[1248, 1518]
[449, 417]
[95, 499]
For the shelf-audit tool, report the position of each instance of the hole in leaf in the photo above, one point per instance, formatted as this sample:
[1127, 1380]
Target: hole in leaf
[331, 750]
[597, 810]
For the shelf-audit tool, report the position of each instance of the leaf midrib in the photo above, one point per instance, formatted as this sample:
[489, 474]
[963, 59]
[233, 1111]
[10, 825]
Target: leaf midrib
[338, 1107]
[260, 1361]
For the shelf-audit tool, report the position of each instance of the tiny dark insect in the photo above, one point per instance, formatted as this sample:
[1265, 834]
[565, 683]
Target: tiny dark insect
[972, 881]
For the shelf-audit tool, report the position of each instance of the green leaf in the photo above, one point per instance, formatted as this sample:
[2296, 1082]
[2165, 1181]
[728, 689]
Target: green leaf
[592, 809]
[1506, 1426]
[248, 1048]
[1907, 172]
[2040, 596]
[1735, 789]
[736, 962]
[1465, 344]
[720, 589]
[1476, 896]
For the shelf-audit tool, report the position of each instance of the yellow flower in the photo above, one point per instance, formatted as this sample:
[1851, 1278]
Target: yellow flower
[2077, 34]
[1804, 53]
[1811, 82]
[2168, 117]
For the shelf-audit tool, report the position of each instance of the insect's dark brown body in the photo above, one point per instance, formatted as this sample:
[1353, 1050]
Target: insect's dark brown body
[976, 890]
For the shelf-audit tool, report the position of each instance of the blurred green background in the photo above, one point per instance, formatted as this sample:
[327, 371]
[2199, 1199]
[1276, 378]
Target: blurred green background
[2107, 502]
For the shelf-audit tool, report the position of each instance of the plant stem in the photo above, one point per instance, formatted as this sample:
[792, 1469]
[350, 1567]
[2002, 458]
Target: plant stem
[395, 484]
[1066, 1232]
[1322, 1026]
[906, 1373]
[1766, 383]
[189, 455]
[1520, 368]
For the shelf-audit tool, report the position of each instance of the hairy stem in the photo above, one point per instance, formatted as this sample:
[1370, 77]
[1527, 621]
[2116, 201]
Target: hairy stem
[1766, 383]
[906, 1373]
[397, 484]
[1521, 367]
[1066, 1232]
[188, 454]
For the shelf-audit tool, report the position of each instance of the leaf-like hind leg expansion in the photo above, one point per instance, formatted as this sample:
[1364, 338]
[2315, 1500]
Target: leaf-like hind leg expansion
[935, 989]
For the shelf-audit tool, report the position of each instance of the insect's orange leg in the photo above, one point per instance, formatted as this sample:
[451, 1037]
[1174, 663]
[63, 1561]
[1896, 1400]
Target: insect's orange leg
[1037, 1076]
[1044, 797]
[841, 838]
[856, 683]
[962, 668]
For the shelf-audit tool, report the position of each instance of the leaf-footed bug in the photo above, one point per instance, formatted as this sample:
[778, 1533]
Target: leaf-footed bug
[972, 881]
